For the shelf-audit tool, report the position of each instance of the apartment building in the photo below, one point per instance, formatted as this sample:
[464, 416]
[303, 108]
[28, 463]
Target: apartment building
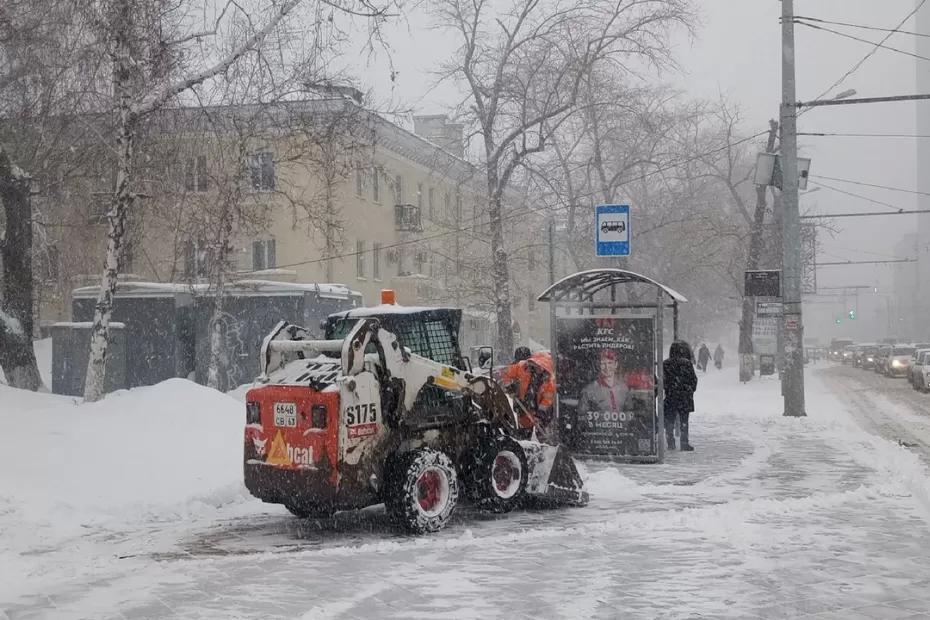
[371, 206]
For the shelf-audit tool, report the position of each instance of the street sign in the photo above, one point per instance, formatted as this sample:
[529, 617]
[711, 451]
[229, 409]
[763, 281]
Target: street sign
[792, 323]
[762, 283]
[612, 230]
[769, 308]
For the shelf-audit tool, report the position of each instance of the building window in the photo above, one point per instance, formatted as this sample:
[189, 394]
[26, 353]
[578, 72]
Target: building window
[447, 205]
[531, 259]
[431, 203]
[261, 171]
[375, 185]
[195, 175]
[398, 190]
[360, 259]
[420, 262]
[420, 197]
[264, 255]
[376, 261]
[458, 208]
[530, 302]
[359, 181]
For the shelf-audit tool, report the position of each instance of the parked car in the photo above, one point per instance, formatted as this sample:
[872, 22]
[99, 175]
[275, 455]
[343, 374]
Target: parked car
[899, 361]
[881, 357]
[867, 358]
[924, 379]
[915, 375]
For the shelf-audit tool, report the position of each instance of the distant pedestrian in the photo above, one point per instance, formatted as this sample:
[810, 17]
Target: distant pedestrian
[718, 357]
[703, 357]
[680, 385]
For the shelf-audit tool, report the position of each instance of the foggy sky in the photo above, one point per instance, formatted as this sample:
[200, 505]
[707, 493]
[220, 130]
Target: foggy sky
[736, 51]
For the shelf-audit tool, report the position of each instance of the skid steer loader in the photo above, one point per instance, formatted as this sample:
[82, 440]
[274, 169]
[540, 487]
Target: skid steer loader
[385, 409]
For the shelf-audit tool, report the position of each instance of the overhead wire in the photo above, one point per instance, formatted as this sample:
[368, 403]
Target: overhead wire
[871, 53]
[888, 187]
[860, 196]
[861, 26]
[879, 44]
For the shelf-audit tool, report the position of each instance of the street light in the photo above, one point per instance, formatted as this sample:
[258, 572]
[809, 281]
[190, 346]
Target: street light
[845, 94]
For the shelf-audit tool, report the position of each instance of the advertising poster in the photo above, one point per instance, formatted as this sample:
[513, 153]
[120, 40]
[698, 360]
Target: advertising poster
[606, 385]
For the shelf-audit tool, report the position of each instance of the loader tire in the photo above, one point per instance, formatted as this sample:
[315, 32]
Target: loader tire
[497, 473]
[422, 490]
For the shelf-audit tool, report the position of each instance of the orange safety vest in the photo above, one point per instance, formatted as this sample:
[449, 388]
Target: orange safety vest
[522, 373]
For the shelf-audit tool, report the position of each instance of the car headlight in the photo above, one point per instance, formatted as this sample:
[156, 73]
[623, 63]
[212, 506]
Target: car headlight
[897, 363]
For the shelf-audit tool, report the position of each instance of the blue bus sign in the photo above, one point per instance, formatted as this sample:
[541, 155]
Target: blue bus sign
[612, 230]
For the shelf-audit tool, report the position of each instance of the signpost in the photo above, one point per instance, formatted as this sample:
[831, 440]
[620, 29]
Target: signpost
[612, 230]
[762, 283]
[769, 308]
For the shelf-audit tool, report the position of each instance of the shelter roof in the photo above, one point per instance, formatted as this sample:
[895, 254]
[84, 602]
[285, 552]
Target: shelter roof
[585, 284]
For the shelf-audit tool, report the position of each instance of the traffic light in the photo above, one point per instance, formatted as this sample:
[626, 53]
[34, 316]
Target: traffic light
[852, 315]
[838, 320]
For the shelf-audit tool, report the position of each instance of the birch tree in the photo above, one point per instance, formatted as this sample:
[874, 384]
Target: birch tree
[521, 66]
[155, 60]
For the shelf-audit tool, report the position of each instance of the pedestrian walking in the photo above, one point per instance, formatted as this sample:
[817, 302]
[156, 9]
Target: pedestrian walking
[680, 384]
[718, 357]
[703, 357]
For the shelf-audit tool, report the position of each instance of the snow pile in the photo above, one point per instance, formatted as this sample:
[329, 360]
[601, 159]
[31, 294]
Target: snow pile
[152, 453]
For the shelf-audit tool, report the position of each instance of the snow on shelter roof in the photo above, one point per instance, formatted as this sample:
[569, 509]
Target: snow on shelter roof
[587, 283]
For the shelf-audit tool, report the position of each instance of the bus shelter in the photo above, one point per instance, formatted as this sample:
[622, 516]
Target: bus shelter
[607, 343]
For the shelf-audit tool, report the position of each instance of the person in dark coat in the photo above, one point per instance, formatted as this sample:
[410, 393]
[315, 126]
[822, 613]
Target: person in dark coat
[703, 357]
[680, 385]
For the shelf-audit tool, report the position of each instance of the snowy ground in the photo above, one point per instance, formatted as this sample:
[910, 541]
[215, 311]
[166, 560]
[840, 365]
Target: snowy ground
[133, 508]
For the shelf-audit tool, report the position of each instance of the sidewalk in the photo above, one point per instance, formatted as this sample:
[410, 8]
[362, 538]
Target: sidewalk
[770, 517]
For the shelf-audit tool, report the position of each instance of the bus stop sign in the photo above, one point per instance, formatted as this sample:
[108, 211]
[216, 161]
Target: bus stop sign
[612, 230]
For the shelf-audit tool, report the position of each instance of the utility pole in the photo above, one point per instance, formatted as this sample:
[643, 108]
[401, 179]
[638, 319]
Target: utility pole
[793, 386]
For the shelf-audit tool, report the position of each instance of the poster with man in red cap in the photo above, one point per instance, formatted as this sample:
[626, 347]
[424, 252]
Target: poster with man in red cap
[605, 375]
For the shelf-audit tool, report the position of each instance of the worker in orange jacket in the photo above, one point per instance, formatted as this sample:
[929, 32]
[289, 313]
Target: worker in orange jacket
[532, 381]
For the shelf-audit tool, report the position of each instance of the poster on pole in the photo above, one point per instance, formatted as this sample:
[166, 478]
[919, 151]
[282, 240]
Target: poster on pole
[606, 384]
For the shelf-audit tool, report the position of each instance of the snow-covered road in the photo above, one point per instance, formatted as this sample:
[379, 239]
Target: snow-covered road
[770, 518]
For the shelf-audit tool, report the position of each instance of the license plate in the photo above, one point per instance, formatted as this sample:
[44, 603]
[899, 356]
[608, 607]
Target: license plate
[285, 414]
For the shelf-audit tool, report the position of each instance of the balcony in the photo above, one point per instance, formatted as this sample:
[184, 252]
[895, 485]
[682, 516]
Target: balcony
[407, 218]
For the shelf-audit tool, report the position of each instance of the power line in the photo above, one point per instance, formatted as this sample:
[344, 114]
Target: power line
[862, 135]
[525, 212]
[827, 216]
[863, 27]
[856, 66]
[879, 44]
[859, 196]
[888, 187]
[867, 262]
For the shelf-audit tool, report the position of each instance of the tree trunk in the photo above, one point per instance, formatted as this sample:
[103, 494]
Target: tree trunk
[94, 384]
[500, 270]
[17, 356]
[746, 370]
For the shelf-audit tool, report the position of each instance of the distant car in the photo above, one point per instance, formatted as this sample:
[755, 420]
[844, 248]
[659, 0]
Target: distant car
[835, 352]
[915, 375]
[867, 357]
[899, 361]
[925, 374]
[859, 354]
[847, 355]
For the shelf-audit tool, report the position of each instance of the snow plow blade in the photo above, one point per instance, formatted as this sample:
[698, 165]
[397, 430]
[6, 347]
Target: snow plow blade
[553, 477]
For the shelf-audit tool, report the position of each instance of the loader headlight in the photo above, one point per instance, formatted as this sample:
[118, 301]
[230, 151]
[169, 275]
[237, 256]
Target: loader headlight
[253, 413]
[870, 359]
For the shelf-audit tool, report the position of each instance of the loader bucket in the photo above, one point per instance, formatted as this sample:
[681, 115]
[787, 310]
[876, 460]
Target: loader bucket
[553, 477]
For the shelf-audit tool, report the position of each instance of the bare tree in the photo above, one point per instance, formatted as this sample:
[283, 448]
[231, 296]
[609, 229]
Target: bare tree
[522, 66]
[151, 36]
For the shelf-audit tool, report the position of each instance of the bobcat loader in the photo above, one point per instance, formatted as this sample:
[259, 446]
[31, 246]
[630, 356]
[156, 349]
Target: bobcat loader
[385, 409]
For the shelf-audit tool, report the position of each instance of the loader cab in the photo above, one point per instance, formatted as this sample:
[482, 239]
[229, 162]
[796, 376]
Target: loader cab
[430, 332]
